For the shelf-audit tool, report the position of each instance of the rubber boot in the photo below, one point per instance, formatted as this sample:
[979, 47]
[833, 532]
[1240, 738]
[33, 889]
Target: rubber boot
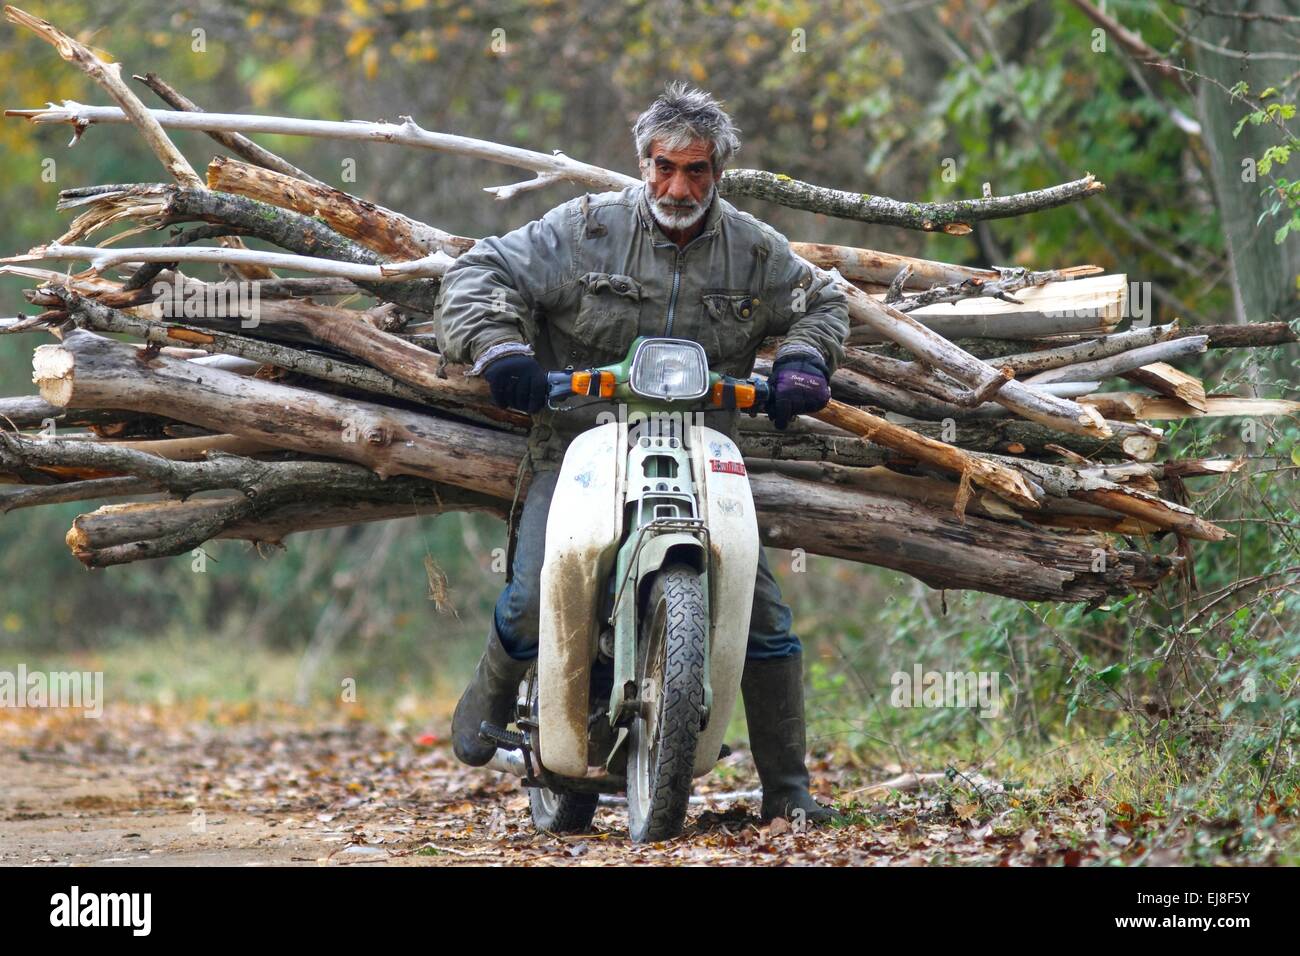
[773, 695]
[490, 696]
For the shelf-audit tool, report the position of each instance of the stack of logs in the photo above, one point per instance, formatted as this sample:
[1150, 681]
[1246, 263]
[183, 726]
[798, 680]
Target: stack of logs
[973, 441]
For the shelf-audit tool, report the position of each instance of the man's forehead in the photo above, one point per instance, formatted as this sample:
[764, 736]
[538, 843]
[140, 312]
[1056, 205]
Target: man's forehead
[698, 150]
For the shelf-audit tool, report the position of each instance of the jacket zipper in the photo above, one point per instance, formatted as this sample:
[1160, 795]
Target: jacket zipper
[676, 278]
[672, 299]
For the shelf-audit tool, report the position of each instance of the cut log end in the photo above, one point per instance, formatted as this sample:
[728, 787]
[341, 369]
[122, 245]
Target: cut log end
[1093, 423]
[1140, 447]
[52, 367]
[76, 539]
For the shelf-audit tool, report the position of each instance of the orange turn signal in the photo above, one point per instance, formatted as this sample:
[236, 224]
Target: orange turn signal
[582, 383]
[744, 394]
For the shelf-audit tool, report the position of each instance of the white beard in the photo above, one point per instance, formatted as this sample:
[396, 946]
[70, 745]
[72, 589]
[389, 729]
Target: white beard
[676, 217]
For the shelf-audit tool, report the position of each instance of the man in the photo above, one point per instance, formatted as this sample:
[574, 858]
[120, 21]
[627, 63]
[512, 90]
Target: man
[666, 257]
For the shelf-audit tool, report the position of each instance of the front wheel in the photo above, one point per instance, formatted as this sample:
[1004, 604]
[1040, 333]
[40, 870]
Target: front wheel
[670, 672]
[562, 812]
[554, 812]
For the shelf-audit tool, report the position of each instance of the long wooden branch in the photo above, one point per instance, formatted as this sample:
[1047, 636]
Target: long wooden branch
[1159, 408]
[1004, 282]
[556, 168]
[240, 145]
[1252, 335]
[1113, 365]
[89, 371]
[274, 499]
[933, 545]
[816, 441]
[109, 76]
[952, 217]
[916, 378]
[938, 352]
[999, 350]
[90, 315]
[1093, 486]
[157, 205]
[1029, 363]
[1093, 304]
[387, 232]
[866, 388]
[1005, 482]
[882, 268]
[93, 489]
[102, 259]
[413, 377]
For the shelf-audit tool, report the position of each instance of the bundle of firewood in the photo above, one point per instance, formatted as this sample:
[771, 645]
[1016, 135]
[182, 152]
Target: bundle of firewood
[971, 443]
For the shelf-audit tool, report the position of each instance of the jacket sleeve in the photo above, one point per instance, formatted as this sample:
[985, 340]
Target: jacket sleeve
[487, 296]
[809, 310]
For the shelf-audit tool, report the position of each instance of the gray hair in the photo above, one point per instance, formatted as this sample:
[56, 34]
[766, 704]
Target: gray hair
[681, 115]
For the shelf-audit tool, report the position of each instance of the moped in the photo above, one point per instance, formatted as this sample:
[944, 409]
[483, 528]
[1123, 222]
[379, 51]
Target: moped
[647, 583]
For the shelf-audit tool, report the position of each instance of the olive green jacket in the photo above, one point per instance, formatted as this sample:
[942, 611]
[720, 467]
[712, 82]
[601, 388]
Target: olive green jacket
[578, 285]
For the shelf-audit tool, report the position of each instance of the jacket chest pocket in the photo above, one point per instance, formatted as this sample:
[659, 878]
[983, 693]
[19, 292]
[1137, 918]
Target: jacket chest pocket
[729, 318]
[608, 316]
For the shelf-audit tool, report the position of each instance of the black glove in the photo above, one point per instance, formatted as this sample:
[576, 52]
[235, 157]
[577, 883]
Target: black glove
[798, 384]
[517, 381]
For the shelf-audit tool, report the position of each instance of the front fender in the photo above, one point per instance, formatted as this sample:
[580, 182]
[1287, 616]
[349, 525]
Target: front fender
[682, 545]
[582, 534]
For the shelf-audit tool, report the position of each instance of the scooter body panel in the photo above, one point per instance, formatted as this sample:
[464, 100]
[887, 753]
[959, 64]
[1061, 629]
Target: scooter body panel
[583, 529]
[728, 507]
[583, 536]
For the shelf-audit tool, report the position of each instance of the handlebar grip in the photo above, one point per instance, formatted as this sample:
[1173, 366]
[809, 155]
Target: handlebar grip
[762, 394]
[559, 385]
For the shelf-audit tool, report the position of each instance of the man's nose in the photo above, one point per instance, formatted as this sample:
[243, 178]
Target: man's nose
[678, 188]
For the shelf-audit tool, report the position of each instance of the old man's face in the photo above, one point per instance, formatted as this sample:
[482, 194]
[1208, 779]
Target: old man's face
[679, 183]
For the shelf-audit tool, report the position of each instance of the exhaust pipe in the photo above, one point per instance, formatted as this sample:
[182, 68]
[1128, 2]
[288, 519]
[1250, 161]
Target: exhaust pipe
[508, 761]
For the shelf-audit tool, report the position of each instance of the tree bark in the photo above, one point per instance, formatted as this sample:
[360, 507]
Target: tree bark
[87, 370]
[388, 233]
[908, 536]
[953, 218]
[1003, 482]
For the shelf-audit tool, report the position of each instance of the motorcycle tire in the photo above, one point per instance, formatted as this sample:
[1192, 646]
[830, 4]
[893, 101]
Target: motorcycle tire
[562, 812]
[670, 673]
[554, 812]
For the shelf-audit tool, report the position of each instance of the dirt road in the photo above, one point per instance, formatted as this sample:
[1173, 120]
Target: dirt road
[141, 787]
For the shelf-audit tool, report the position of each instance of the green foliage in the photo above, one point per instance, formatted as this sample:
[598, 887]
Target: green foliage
[1285, 192]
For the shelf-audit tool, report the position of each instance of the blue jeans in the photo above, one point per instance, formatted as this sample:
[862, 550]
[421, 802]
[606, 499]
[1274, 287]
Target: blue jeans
[518, 608]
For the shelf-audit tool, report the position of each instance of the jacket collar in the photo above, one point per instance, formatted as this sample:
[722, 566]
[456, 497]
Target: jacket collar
[712, 216]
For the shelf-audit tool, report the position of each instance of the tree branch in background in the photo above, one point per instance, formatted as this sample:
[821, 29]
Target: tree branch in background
[240, 145]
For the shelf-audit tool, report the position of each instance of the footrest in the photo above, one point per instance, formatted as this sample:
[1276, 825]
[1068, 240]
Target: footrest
[505, 739]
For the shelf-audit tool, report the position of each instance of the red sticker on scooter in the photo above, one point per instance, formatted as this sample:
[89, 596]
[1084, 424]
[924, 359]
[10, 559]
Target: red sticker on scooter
[727, 467]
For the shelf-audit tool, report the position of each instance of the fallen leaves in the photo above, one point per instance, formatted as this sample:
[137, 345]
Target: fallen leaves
[363, 794]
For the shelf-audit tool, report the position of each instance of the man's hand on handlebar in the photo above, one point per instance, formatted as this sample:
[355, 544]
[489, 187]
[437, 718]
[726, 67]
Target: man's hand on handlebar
[517, 381]
[799, 384]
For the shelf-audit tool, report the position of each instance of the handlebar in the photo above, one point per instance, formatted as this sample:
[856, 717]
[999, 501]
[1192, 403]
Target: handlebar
[725, 392]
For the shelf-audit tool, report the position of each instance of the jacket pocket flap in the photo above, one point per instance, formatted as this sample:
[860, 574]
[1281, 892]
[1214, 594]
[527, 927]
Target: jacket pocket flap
[596, 282]
[740, 306]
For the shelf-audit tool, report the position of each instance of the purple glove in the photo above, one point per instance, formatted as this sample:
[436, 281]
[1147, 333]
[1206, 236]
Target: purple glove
[517, 381]
[798, 384]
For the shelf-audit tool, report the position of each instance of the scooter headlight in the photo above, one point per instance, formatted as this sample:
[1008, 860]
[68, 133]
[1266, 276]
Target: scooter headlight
[670, 369]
